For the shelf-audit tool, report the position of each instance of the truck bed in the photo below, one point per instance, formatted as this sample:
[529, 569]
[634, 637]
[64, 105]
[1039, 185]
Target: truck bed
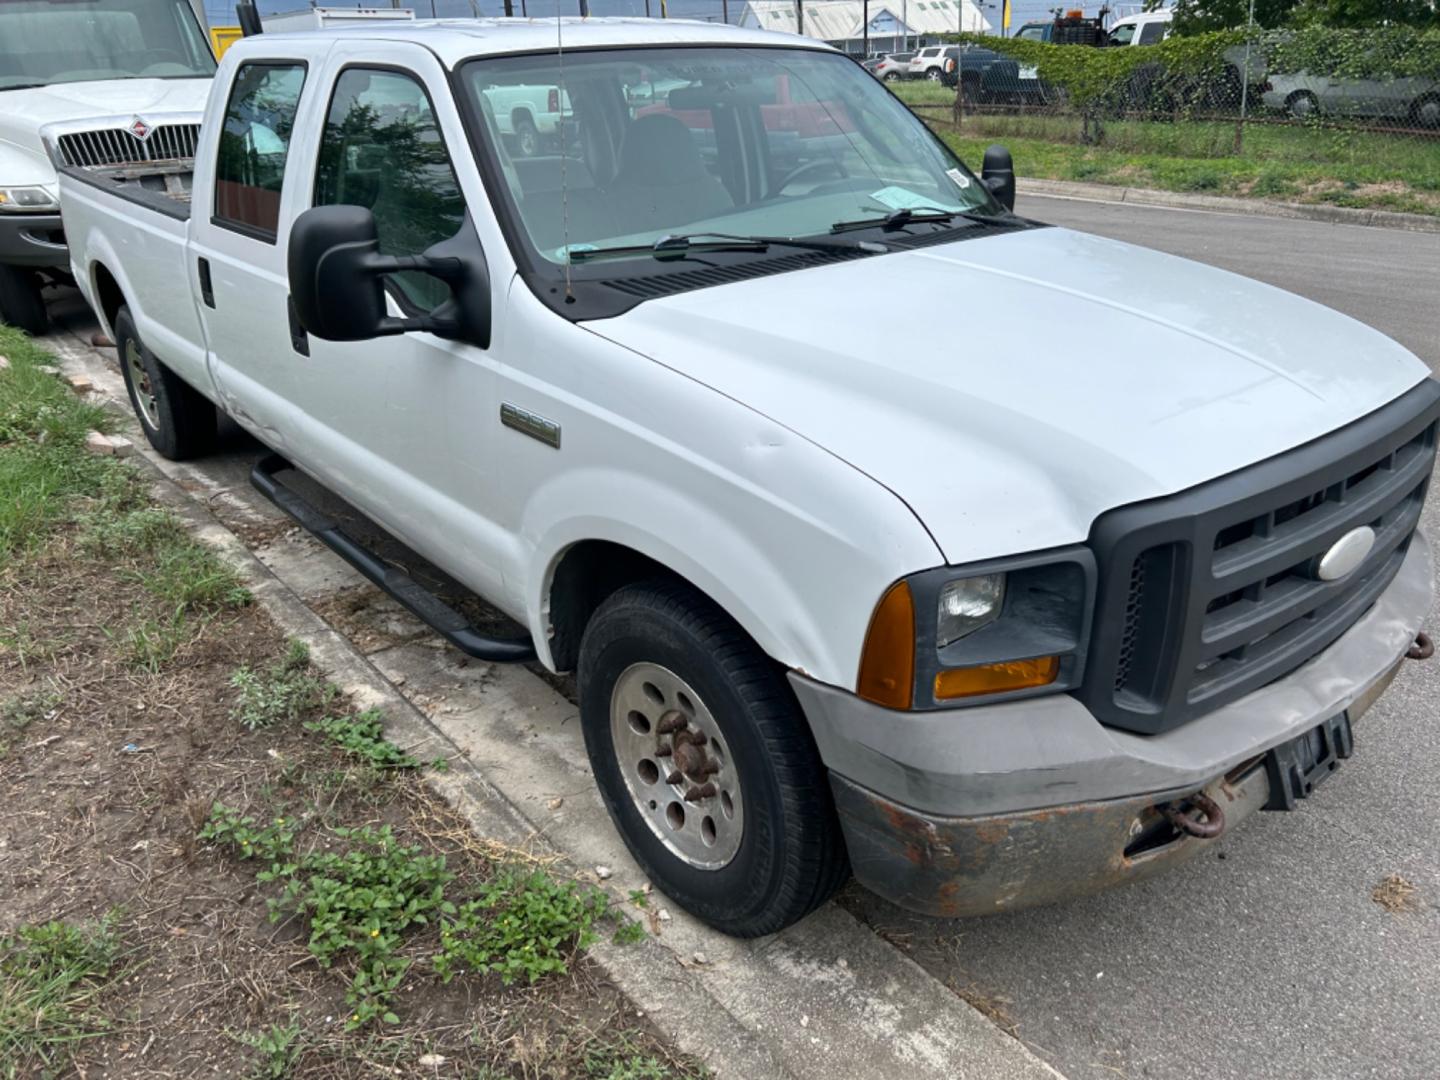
[163, 188]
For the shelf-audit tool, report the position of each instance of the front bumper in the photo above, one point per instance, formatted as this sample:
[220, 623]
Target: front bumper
[33, 240]
[1001, 807]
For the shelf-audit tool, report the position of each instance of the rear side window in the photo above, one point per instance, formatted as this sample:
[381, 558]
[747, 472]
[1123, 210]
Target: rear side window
[382, 149]
[1152, 33]
[254, 143]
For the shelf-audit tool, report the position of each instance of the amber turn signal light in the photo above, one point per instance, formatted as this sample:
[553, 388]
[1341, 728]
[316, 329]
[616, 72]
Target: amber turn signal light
[887, 665]
[996, 678]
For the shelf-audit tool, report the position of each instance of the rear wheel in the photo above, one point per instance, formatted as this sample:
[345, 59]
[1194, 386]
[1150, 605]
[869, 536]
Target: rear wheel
[527, 138]
[705, 762]
[933, 74]
[1303, 105]
[892, 76]
[21, 304]
[1426, 112]
[178, 420]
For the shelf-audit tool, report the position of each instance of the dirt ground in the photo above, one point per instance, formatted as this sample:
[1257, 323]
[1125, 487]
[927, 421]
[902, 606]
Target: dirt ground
[113, 756]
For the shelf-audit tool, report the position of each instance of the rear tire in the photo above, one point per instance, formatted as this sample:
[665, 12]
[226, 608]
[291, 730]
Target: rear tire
[1303, 105]
[933, 74]
[21, 304]
[527, 138]
[759, 846]
[178, 420]
[1426, 112]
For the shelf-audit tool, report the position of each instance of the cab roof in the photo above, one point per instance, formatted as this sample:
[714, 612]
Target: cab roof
[456, 40]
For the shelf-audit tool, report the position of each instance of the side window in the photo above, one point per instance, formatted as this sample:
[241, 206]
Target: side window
[382, 150]
[1152, 33]
[254, 142]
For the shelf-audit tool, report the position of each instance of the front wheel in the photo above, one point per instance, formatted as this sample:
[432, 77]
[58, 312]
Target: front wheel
[21, 304]
[705, 762]
[178, 420]
[933, 74]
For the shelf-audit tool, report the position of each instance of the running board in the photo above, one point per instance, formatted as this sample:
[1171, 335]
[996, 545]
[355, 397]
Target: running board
[414, 597]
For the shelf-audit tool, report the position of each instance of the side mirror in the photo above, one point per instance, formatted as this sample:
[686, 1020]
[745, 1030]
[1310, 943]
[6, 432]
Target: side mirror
[337, 276]
[998, 175]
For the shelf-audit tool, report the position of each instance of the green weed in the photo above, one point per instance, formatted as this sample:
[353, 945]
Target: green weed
[277, 1050]
[281, 692]
[51, 978]
[520, 925]
[628, 933]
[363, 736]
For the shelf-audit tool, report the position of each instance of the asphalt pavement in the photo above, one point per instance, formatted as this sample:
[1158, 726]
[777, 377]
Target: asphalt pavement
[1268, 957]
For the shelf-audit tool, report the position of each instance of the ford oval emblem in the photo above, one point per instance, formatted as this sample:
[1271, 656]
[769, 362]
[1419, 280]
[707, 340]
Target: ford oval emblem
[1346, 554]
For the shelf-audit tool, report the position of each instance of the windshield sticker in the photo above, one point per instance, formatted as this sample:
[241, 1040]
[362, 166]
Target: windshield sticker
[562, 254]
[899, 198]
[961, 180]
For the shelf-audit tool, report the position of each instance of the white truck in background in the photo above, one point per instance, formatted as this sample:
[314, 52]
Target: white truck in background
[112, 82]
[1041, 605]
[325, 18]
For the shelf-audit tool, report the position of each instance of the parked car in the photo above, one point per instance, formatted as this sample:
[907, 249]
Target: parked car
[1146, 28]
[119, 81]
[1306, 96]
[928, 63]
[986, 76]
[1000, 618]
[894, 67]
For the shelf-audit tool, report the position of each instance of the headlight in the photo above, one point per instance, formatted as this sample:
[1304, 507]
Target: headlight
[967, 605]
[27, 198]
[964, 635]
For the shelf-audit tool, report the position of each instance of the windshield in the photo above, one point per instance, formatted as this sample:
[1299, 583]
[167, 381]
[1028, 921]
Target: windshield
[43, 42]
[631, 145]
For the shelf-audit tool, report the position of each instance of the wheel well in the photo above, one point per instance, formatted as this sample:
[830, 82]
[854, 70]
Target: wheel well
[587, 574]
[108, 294]
[521, 115]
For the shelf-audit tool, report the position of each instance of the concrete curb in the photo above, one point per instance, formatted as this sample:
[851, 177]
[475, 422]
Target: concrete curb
[824, 997]
[1224, 204]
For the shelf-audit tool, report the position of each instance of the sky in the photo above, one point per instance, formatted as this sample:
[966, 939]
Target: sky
[223, 14]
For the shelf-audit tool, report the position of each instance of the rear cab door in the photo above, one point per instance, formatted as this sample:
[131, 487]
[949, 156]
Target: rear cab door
[241, 211]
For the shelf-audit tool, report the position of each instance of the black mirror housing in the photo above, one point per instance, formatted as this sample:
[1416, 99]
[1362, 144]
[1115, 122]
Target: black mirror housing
[998, 176]
[337, 274]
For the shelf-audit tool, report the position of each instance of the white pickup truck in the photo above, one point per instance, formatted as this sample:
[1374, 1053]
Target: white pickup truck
[113, 82]
[1036, 607]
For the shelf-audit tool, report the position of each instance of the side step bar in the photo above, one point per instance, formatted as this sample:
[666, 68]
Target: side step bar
[418, 600]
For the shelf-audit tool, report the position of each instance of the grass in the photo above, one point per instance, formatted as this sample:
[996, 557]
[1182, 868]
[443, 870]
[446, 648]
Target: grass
[1293, 163]
[280, 692]
[52, 978]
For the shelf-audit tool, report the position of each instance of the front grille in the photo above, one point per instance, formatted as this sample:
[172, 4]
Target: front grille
[116, 146]
[1210, 594]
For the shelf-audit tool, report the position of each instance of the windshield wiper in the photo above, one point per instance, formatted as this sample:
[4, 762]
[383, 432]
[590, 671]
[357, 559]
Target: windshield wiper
[24, 86]
[909, 216]
[682, 245]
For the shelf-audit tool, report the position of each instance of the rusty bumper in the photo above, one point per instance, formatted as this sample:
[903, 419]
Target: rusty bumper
[961, 866]
[983, 865]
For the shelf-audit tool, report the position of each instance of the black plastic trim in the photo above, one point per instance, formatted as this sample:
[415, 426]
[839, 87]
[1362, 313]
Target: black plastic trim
[414, 597]
[1171, 643]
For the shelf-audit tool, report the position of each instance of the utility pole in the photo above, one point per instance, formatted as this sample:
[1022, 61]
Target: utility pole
[725, 12]
[865, 18]
[800, 16]
[509, 9]
[584, 9]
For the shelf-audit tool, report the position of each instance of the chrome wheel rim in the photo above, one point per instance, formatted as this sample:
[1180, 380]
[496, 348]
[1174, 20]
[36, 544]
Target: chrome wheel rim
[140, 381]
[677, 766]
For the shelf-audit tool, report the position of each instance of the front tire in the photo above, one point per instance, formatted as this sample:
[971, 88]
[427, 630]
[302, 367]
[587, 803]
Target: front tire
[178, 420]
[21, 303]
[675, 701]
[933, 74]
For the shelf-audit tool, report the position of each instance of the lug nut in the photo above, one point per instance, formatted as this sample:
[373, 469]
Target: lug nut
[704, 791]
[675, 778]
[670, 723]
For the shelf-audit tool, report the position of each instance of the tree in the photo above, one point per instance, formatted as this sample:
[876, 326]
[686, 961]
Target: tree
[1198, 16]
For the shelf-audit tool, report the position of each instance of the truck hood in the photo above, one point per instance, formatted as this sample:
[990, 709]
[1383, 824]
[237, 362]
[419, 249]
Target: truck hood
[109, 102]
[1012, 388]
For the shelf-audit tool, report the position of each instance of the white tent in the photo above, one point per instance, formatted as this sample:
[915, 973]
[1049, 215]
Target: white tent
[841, 22]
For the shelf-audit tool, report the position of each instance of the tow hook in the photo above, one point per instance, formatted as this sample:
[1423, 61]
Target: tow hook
[1202, 817]
[1423, 648]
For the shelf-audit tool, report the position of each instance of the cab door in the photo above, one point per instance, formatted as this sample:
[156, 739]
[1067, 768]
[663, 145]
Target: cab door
[403, 426]
[236, 256]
